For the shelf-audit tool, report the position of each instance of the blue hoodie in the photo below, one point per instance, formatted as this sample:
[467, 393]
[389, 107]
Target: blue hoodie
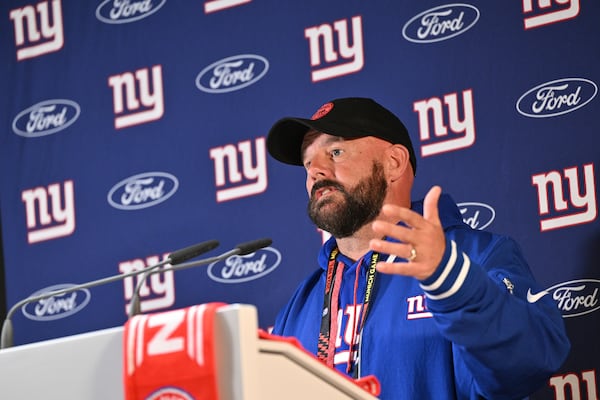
[467, 332]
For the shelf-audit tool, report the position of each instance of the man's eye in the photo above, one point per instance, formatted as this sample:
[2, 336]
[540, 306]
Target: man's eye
[336, 152]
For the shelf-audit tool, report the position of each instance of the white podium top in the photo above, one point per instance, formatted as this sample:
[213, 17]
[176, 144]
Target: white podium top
[90, 366]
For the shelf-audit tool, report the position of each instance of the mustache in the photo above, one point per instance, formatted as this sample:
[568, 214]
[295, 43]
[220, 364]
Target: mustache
[326, 183]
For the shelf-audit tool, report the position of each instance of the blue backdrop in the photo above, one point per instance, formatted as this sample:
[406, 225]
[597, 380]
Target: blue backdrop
[134, 128]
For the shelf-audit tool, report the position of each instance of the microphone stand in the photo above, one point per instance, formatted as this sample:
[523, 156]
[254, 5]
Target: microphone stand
[178, 256]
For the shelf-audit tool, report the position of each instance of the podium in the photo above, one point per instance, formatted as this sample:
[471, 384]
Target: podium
[90, 366]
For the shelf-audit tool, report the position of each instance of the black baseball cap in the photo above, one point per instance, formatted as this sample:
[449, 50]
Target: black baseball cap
[351, 118]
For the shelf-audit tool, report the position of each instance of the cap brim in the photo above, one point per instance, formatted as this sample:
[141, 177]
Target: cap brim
[284, 141]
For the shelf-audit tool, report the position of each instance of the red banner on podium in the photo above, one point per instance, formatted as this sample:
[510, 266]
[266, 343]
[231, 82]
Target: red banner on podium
[170, 355]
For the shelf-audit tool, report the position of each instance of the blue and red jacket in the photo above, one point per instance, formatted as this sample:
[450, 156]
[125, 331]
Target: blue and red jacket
[467, 332]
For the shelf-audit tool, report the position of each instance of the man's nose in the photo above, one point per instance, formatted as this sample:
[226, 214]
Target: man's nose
[320, 167]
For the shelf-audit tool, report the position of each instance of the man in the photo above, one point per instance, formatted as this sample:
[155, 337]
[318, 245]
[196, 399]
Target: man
[471, 332]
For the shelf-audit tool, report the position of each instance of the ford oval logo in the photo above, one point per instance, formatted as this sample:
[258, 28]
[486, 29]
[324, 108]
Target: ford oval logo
[477, 215]
[573, 298]
[440, 23]
[556, 97]
[142, 190]
[236, 269]
[59, 306]
[123, 12]
[232, 73]
[46, 118]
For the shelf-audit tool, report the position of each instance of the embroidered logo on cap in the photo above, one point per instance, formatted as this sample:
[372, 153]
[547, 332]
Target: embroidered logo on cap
[321, 112]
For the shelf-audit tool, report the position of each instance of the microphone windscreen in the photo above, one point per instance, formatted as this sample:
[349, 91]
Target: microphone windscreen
[195, 250]
[252, 246]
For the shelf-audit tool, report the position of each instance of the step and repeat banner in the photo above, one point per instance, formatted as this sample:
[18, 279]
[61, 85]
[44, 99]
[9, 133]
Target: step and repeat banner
[131, 129]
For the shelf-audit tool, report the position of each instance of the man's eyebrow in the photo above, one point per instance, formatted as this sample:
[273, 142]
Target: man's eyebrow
[334, 139]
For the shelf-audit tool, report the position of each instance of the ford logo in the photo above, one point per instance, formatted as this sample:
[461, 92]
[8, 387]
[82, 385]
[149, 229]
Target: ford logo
[142, 190]
[46, 118]
[232, 73]
[477, 215]
[556, 97]
[125, 11]
[440, 23]
[59, 306]
[573, 298]
[236, 269]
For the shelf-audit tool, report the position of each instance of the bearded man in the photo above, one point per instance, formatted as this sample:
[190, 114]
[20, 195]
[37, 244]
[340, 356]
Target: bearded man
[472, 334]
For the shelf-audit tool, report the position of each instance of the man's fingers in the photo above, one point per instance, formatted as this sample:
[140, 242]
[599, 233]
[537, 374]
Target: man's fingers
[406, 215]
[430, 205]
[399, 249]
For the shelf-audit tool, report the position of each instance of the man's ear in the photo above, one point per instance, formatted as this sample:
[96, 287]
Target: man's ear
[398, 161]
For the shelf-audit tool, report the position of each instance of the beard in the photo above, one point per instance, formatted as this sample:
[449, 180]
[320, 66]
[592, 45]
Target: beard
[359, 206]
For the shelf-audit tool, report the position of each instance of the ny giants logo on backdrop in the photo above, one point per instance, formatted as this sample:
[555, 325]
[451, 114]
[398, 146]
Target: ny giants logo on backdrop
[125, 11]
[46, 117]
[142, 190]
[56, 307]
[157, 292]
[575, 384]
[251, 180]
[579, 208]
[43, 224]
[37, 30]
[321, 41]
[463, 130]
[237, 269]
[440, 23]
[232, 73]
[556, 97]
[547, 12]
[211, 6]
[477, 215]
[149, 106]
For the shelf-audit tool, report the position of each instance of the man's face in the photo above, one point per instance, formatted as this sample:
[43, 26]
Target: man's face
[345, 182]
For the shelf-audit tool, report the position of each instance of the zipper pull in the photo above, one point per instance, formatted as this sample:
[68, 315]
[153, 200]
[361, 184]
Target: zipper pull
[509, 285]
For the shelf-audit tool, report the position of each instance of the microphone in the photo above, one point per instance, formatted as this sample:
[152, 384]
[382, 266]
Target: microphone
[176, 257]
[240, 249]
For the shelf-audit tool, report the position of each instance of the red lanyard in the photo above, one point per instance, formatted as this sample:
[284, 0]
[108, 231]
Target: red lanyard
[326, 346]
[329, 326]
